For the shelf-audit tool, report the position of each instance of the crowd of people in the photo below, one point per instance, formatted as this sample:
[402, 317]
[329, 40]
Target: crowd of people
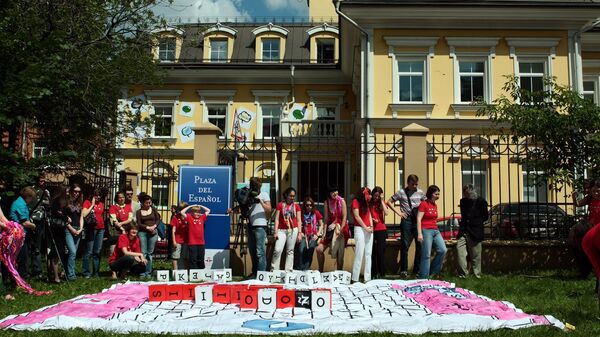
[301, 230]
[56, 225]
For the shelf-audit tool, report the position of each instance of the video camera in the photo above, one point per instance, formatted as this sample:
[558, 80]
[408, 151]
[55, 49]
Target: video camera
[246, 197]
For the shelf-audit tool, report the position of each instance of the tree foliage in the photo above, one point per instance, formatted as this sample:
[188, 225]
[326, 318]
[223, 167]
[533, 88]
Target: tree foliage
[65, 64]
[561, 127]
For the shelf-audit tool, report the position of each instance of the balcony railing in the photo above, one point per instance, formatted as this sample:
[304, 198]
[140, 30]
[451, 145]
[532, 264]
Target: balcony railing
[318, 129]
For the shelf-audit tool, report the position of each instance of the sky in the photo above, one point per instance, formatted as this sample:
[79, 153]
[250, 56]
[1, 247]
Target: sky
[186, 9]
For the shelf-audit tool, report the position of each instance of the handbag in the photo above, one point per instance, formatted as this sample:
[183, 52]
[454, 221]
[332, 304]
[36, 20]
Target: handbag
[90, 219]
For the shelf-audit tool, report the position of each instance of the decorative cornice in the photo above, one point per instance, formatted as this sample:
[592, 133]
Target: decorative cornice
[411, 41]
[271, 93]
[216, 93]
[472, 42]
[173, 30]
[163, 93]
[464, 108]
[591, 64]
[533, 42]
[220, 28]
[323, 28]
[317, 93]
[270, 27]
[411, 107]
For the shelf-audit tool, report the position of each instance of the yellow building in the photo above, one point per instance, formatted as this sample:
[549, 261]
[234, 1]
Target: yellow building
[365, 93]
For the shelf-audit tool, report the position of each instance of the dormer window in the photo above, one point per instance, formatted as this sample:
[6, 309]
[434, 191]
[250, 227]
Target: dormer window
[323, 43]
[218, 50]
[270, 50]
[325, 50]
[167, 44]
[270, 43]
[218, 43]
[166, 49]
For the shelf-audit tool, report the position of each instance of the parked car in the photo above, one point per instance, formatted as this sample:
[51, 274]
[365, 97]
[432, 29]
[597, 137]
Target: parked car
[527, 220]
[448, 226]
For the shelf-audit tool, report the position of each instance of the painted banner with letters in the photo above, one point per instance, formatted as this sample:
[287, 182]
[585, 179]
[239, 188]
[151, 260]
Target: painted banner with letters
[397, 306]
[210, 186]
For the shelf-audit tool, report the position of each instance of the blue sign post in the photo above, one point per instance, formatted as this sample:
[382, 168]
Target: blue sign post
[210, 186]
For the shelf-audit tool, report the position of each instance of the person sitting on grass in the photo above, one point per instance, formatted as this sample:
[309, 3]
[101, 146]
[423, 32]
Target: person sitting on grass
[127, 256]
[195, 221]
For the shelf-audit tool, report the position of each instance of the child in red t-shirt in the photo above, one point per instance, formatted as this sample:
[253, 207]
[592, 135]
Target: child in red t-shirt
[195, 237]
[179, 228]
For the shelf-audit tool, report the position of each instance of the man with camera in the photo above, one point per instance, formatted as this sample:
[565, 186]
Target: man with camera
[39, 214]
[259, 213]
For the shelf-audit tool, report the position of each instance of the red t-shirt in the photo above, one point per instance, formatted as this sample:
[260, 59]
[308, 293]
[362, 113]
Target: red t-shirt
[287, 210]
[98, 211]
[430, 215]
[594, 212]
[310, 222]
[377, 214]
[195, 229]
[181, 229]
[121, 213]
[364, 215]
[132, 246]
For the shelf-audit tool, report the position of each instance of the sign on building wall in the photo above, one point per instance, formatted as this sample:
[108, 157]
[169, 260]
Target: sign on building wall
[210, 186]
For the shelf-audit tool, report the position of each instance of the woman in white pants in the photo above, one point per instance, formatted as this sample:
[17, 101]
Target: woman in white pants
[286, 235]
[363, 233]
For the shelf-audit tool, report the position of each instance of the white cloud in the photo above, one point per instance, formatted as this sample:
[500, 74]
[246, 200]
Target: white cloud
[291, 5]
[191, 10]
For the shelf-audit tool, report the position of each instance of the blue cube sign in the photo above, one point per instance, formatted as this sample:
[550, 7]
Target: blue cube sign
[206, 185]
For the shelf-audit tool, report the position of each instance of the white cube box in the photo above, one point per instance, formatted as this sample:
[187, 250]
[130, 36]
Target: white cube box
[279, 276]
[207, 274]
[180, 275]
[228, 274]
[162, 275]
[203, 294]
[291, 278]
[344, 277]
[267, 299]
[330, 278]
[219, 275]
[265, 276]
[302, 278]
[313, 277]
[196, 275]
[320, 300]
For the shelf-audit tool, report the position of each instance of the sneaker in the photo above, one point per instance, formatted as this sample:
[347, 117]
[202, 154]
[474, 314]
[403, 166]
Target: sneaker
[403, 274]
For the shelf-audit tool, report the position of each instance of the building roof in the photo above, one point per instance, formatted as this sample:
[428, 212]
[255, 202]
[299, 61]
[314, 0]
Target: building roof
[244, 47]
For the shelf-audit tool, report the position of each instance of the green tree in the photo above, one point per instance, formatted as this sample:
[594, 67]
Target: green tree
[562, 126]
[65, 64]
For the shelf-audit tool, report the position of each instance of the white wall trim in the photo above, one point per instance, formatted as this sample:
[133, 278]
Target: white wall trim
[271, 93]
[217, 93]
[173, 30]
[323, 28]
[270, 27]
[411, 41]
[163, 93]
[533, 42]
[472, 42]
[220, 28]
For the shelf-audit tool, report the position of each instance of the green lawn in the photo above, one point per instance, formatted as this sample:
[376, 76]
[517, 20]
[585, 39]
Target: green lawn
[556, 293]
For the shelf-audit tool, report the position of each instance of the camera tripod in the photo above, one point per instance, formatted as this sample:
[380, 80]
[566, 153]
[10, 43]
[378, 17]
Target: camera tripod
[241, 230]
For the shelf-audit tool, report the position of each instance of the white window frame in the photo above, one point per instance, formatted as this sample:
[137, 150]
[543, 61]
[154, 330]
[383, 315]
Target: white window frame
[221, 97]
[219, 52]
[485, 56]
[261, 97]
[36, 147]
[262, 50]
[532, 60]
[163, 103]
[596, 80]
[526, 176]
[161, 51]
[485, 75]
[475, 173]
[317, 47]
[398, 74]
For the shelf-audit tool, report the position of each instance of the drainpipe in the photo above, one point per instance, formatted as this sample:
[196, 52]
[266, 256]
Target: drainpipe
[368, 167]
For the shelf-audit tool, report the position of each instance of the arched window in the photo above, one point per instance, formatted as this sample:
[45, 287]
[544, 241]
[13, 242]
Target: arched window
[162, 176]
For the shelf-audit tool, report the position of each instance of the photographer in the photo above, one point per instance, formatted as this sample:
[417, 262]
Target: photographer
[259, 213]
[38, 216]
